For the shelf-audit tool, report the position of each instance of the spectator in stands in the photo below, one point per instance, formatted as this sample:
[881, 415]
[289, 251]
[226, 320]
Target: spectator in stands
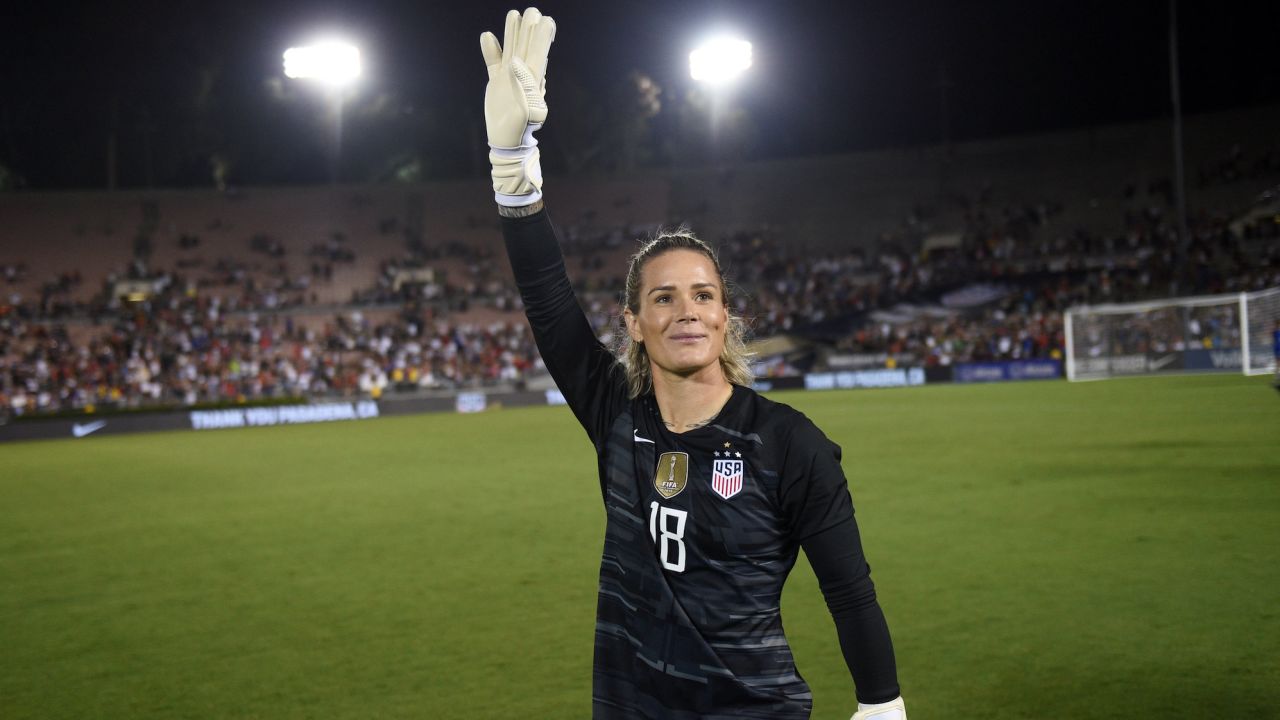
[1275, 351]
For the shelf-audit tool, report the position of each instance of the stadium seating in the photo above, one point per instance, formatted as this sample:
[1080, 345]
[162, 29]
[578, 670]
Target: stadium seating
[267, 292]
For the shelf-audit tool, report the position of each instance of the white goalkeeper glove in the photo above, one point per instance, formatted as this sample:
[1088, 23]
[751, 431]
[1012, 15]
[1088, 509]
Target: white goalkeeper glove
[892, 710]
[514, 106]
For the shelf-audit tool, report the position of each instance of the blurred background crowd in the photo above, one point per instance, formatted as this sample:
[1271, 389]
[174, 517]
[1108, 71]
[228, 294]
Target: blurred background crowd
[184, 298]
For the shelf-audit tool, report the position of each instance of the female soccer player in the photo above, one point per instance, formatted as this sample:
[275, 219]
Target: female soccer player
[709, 489]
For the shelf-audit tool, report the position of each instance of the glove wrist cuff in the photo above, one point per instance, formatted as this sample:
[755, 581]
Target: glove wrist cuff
[517, 171]
[497, 154]
[527, 142]
[517, 201]
[892, 710]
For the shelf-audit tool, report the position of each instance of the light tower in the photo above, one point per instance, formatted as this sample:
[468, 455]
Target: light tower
[334, 66]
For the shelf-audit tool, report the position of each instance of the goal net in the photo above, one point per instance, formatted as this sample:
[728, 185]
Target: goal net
[1211, 333]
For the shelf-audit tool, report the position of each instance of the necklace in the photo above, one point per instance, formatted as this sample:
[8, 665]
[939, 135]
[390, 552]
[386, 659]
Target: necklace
[689, 426]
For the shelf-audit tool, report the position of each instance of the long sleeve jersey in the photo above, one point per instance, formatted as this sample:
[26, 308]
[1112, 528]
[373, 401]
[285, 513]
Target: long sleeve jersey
[702, 529]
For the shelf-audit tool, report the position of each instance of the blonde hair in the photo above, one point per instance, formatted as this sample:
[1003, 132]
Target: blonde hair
[734, 358]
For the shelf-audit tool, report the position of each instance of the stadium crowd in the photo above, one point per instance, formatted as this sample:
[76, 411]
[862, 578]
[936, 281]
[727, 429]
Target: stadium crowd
[224, 334]
[171, 356]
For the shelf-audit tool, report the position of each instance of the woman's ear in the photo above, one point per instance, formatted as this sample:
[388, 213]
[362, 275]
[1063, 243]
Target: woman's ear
[633, 326]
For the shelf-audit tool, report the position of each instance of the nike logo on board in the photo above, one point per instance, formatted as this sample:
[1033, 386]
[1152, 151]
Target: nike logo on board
[80, 431]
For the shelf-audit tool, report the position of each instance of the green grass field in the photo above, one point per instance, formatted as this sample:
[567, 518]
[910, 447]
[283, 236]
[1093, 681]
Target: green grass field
[1042, 550]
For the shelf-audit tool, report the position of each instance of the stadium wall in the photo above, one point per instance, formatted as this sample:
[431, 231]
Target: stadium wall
[258, 416]
[820, 202]
[853, 200]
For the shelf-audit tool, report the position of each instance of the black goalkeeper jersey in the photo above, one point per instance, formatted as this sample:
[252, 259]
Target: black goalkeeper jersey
[702, 530]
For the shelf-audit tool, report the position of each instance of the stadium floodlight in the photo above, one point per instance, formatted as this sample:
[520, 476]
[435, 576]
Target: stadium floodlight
[335, 65]
[332, 63]
[720, 60]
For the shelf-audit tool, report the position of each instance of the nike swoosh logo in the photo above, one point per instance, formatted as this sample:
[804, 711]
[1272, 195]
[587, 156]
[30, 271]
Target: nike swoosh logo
[81, 430]
[1159, 364]
[640, 439]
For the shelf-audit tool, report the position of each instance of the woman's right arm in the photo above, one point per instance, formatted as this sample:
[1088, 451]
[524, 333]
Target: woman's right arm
[514, 108]
[583, 368]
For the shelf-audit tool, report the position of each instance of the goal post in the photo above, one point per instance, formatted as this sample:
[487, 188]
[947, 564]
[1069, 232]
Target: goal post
[1260, 318]
[1209, 333]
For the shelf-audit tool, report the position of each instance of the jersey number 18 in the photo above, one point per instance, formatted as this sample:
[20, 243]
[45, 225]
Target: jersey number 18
[660, 523]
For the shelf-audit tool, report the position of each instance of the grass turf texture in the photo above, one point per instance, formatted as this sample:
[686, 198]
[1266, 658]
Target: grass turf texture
[1042, 550]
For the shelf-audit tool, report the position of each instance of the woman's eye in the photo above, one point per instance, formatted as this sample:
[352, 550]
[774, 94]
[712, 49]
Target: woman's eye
[705, 296]
[662, 299]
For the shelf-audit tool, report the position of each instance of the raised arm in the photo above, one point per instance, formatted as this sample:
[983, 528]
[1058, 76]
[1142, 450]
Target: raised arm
[515, 108]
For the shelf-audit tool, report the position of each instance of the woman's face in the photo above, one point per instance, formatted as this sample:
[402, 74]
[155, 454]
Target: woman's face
[682, 316]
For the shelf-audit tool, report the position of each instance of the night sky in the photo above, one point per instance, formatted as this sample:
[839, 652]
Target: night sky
[178, 82]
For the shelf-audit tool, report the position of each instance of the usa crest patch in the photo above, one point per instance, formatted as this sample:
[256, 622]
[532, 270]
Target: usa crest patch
[726, 478]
